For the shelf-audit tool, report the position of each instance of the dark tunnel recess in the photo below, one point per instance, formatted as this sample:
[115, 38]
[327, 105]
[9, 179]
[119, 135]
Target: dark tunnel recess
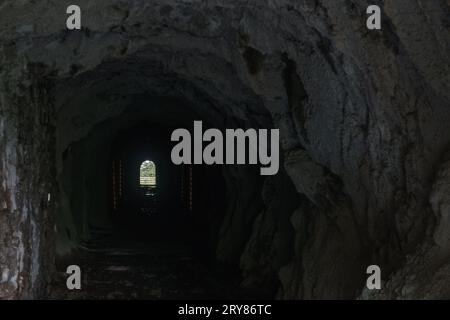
[364, 148]
[111, 128]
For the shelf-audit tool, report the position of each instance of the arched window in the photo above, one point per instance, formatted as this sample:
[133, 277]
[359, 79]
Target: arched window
[148, 174]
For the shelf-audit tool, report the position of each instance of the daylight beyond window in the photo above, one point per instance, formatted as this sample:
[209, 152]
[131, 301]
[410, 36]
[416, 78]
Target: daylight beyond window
[148, 174]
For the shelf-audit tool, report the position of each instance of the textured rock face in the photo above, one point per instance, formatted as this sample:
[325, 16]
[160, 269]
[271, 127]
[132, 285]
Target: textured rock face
[27, 146]
[363, 118]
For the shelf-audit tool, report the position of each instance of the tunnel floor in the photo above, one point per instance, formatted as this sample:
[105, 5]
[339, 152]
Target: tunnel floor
[151, 269]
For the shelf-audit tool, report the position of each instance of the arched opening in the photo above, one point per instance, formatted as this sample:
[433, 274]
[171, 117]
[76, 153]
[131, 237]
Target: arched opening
[147, 176]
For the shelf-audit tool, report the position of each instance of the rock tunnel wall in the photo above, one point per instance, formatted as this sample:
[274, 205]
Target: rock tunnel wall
[27, 184]
[362, 116]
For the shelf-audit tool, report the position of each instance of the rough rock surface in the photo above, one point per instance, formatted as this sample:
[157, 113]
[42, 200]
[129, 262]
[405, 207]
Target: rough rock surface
[363, 117]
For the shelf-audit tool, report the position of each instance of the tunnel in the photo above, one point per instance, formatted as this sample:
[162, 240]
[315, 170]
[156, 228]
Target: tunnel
[106, 203]
[87, 179]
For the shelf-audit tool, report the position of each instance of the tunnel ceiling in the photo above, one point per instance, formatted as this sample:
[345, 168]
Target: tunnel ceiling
[113, 88]
[362, 117]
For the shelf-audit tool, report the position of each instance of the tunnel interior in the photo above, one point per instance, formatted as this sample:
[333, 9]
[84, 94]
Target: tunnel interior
[364, 163]
[106, 203]
[102, 175]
